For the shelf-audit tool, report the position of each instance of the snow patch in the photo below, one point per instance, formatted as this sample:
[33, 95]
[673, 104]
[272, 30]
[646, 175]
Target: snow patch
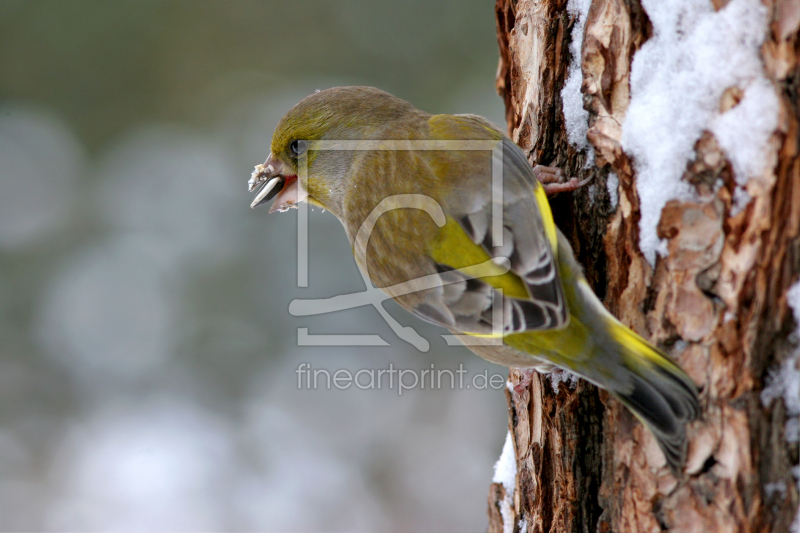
[505, 469]
[793, 300]
[576, 118]
[784, 382]
[505, 473]
[559, 376]
[677, 80]
[612, 182]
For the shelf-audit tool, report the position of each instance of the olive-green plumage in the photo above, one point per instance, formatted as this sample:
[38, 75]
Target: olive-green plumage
[434, 213]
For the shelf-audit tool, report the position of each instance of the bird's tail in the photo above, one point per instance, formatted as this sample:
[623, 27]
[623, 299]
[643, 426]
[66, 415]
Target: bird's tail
[658, 392]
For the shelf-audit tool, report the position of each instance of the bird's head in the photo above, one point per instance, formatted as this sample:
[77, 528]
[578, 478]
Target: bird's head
[338, 114]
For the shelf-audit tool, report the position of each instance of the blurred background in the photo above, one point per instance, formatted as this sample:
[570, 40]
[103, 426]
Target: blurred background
[147, 357]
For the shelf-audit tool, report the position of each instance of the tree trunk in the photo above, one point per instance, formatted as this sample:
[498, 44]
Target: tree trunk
[715, 297]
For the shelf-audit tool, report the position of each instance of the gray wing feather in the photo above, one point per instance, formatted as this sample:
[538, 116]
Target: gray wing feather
[471, 305]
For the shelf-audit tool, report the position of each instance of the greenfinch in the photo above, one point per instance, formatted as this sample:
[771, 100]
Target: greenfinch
[447, 216]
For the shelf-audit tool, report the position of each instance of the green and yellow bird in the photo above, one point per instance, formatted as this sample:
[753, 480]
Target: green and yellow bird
[460, 233]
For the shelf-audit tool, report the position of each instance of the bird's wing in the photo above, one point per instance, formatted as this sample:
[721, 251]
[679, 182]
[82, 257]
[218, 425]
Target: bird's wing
[529, 295]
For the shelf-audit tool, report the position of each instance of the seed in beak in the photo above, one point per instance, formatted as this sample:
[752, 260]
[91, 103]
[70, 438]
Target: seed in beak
[270, 189]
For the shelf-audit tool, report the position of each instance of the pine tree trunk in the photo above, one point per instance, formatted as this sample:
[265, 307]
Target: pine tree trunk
[717, 302]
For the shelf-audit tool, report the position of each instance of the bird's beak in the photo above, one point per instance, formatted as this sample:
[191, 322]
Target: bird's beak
[274, 178]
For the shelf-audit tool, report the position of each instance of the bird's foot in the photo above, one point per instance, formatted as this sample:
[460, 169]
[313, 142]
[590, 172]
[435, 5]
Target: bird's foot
[526, 374]
[555, 181]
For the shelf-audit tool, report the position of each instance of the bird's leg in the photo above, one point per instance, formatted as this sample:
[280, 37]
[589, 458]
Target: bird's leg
[525, 380]
[555, 181]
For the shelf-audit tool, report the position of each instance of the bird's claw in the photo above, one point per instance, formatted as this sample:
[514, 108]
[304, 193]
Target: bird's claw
[526, 374]
[555, 181]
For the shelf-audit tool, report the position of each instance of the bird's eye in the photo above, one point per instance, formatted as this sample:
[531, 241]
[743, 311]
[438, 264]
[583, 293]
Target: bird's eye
[298, 147]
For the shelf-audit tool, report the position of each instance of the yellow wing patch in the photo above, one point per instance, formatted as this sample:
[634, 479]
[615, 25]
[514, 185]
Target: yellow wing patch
[453, 247]
[547, 217]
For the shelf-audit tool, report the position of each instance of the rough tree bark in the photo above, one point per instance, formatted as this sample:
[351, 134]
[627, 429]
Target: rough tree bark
[717, 302]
